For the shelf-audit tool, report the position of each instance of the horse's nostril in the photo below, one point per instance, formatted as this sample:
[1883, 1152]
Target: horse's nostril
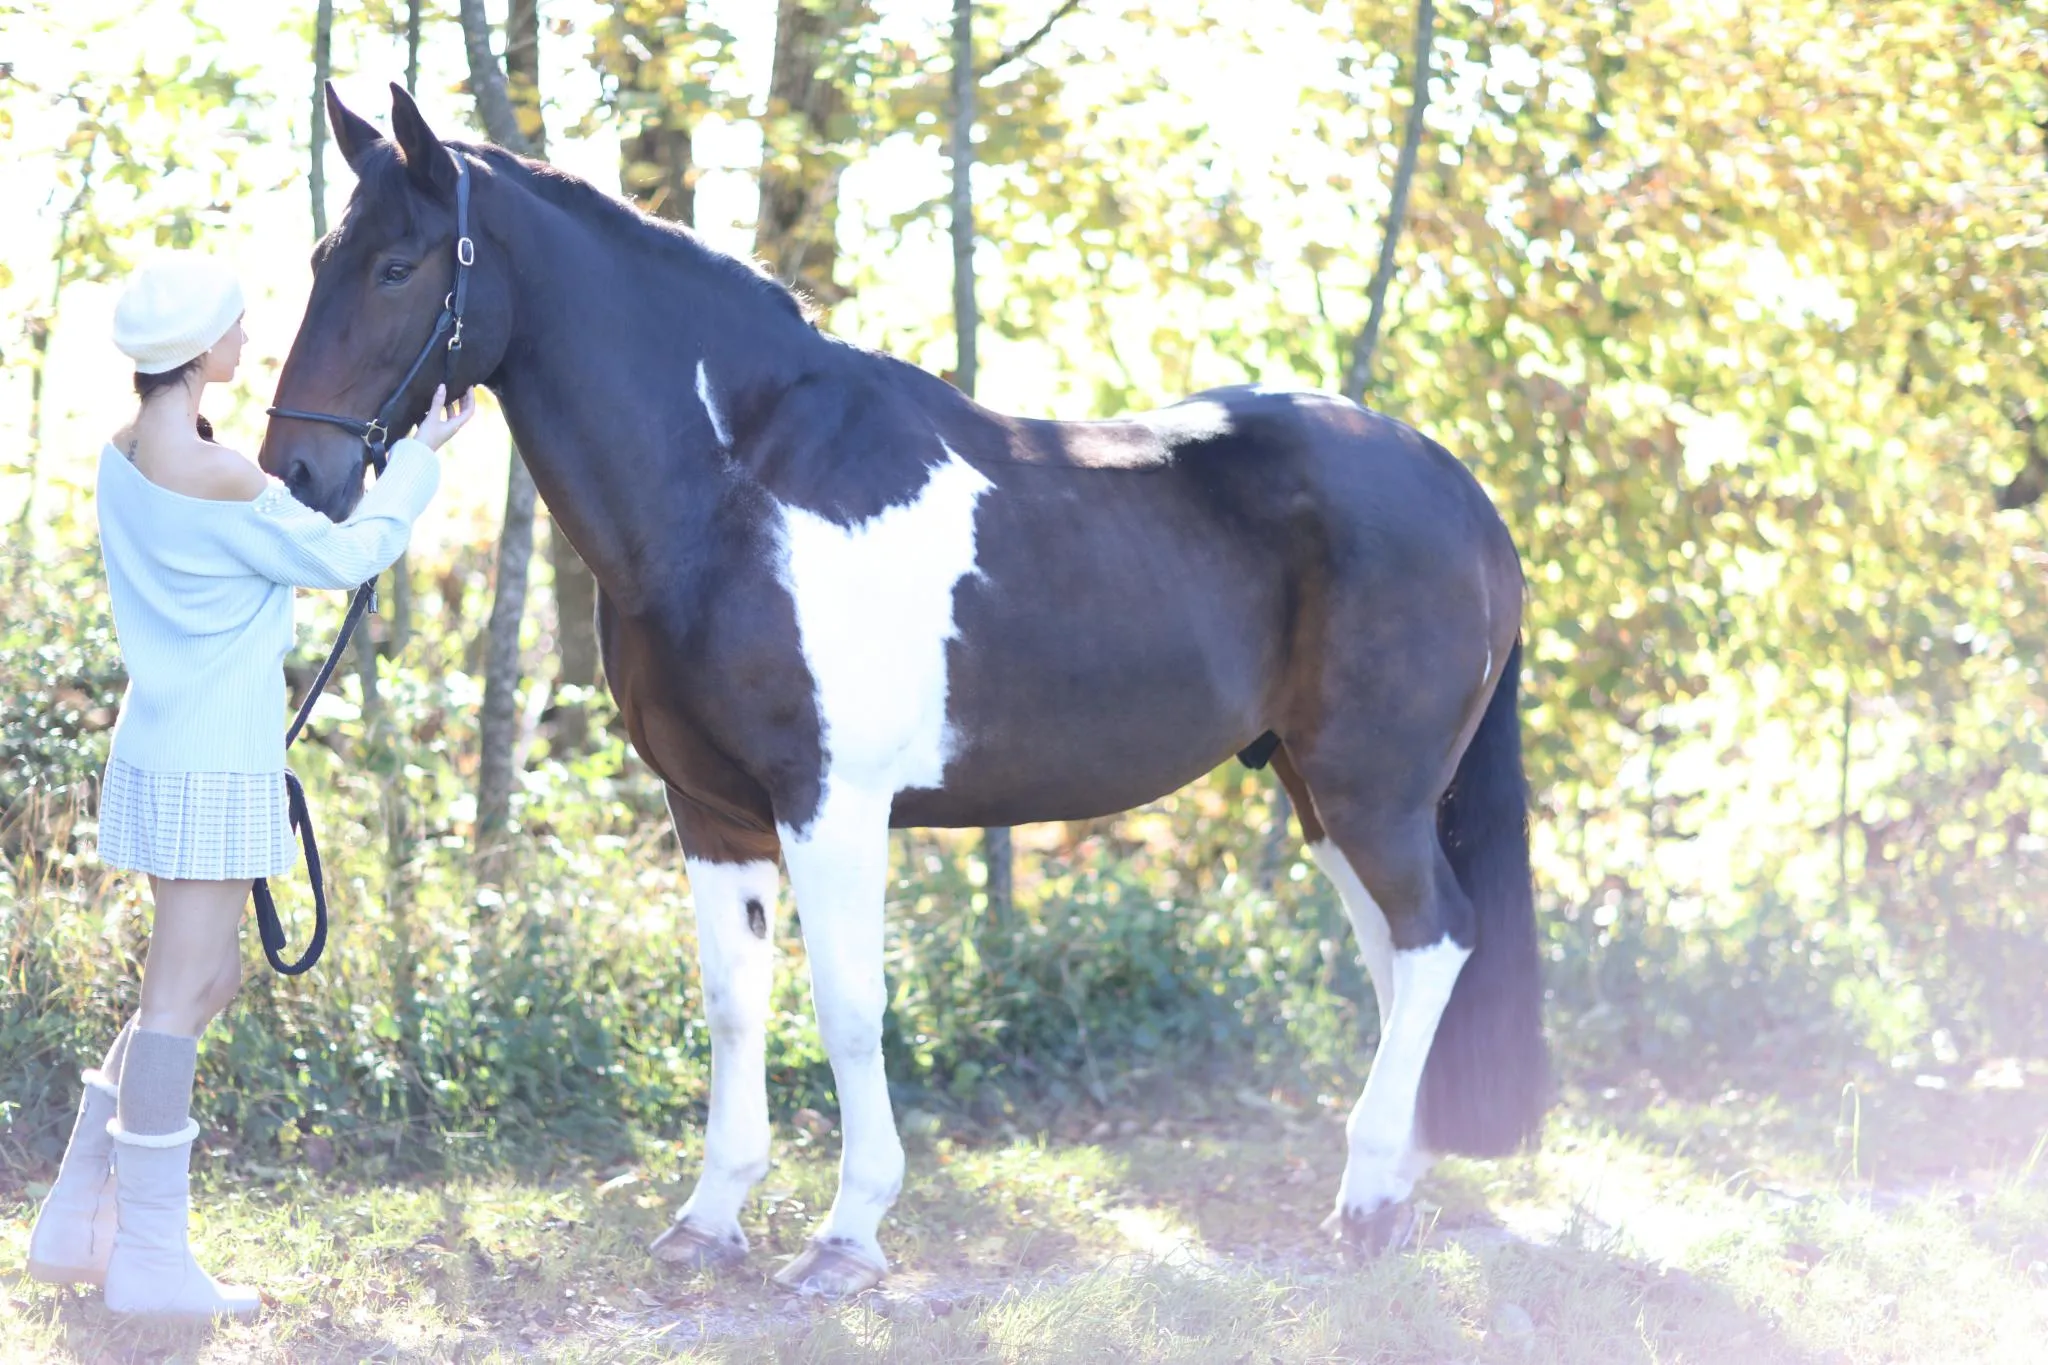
[296, 475]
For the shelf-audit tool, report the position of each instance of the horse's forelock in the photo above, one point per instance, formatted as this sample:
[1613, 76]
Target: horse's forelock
[381, 209]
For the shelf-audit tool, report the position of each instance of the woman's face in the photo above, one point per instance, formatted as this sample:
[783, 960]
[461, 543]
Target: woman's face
[225, 355]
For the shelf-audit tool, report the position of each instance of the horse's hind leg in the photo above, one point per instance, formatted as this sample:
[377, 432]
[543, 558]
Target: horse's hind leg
[1414, 924]
[1375, 942]
[733, 881]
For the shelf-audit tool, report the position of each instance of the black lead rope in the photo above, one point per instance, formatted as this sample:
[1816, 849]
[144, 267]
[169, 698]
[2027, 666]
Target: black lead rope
[268, 926]
[376, 438]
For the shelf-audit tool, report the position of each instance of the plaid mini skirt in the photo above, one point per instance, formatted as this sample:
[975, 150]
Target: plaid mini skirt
[195, 826]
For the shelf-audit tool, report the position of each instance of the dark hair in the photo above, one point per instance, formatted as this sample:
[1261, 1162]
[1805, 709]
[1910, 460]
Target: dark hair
[148, 385]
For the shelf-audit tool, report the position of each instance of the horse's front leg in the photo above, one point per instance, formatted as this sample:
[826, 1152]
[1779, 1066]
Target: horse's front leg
[735, 903]
[838, 871]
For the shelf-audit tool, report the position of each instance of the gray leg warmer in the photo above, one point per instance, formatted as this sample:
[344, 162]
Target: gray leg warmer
[156, 1082]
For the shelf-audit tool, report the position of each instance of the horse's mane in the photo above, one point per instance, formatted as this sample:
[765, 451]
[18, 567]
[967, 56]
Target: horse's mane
[579, 197]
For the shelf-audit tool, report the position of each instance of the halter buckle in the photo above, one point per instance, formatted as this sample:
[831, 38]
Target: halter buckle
[374, 434]
[465, 251]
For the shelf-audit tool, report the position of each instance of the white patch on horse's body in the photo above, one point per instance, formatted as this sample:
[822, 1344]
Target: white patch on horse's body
[1368, 921]
[737, 964]
[710, 402]
[874, 613]
[1385, 1159]
[1194, 419]
[1486, 623]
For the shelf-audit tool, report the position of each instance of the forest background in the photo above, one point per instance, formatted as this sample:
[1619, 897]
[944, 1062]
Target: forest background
[1737, 310]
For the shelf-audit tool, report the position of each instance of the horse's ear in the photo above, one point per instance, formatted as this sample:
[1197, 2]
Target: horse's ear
[427, 162]
[353, 134]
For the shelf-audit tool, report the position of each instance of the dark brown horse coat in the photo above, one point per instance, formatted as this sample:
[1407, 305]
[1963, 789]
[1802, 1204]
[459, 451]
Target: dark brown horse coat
[837, 595]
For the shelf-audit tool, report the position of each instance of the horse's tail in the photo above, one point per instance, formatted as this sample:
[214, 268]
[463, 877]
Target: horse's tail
[1487, 1081]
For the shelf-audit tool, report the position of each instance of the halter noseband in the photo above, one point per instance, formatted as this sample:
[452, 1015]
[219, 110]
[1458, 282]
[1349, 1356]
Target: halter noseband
[375, 433]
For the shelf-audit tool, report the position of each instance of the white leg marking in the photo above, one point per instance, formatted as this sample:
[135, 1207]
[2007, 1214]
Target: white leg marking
[736, 954]
[839, 871]
[1375, 939]
[874, 610]
[710, 402]
[1385, 1159]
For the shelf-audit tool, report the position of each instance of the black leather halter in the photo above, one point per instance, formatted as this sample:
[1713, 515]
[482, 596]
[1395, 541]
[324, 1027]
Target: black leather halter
[376, 438]
[375, 433]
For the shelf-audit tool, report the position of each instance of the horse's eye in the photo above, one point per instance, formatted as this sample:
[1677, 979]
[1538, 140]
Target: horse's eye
[397, 272]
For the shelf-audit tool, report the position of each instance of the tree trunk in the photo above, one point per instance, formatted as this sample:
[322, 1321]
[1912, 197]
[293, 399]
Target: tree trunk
[966, 315]
[576, 657]
[323, 67]
[316, 180]
[657, 173]
[995, 843]
[575, 589]
[487, 82]
[401, 568]
[497, 727]
[1358, 377]
[522, 72]
[412, 47]
[656, 158]
[796, 234]
[38, 328]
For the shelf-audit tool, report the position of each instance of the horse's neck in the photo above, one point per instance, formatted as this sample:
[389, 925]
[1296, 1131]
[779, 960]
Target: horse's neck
[604, 400]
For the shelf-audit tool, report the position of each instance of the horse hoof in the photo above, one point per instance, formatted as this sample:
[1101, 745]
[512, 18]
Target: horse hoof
[830, 1270]
[695, 1249]
[1388, 1228]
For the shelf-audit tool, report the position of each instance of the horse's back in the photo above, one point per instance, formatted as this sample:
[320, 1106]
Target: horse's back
[1162, 588]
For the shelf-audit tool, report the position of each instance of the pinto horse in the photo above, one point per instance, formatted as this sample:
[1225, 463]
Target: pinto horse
[836, 596]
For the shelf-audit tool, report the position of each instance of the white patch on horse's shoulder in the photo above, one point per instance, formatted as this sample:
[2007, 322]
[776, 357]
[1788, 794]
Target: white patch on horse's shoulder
[710, 402]
[874, 611]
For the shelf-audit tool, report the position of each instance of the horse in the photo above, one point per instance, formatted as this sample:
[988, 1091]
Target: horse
[837, 596]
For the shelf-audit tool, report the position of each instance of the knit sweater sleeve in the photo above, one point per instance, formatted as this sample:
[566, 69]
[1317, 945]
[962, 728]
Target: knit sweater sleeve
[288, 542]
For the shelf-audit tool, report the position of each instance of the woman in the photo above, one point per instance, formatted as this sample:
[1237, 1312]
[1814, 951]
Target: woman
[202, 552]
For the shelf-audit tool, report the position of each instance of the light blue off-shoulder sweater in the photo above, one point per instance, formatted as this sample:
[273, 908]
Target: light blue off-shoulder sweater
[202, 596]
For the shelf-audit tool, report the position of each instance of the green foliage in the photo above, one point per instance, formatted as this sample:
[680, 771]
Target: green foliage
[1736, 312]
[60, 681]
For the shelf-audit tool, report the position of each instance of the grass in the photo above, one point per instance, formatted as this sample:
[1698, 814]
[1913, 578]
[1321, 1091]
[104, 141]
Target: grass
[1732, 1225]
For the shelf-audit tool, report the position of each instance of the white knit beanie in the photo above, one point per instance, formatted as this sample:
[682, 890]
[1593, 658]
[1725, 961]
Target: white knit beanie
[173, 308]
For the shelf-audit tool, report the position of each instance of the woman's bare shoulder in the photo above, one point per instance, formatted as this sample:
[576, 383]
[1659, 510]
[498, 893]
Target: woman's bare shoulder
[202, 469]
[228, 475]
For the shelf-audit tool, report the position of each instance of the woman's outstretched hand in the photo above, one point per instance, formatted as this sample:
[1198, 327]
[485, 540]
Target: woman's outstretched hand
[444, 418]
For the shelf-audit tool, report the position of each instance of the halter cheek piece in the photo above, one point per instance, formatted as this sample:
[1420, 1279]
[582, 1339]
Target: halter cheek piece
[376, 438]
[376, 432]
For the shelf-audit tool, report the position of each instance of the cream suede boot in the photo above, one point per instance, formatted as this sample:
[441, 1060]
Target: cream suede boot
[152, 1272]
[74, 1231]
